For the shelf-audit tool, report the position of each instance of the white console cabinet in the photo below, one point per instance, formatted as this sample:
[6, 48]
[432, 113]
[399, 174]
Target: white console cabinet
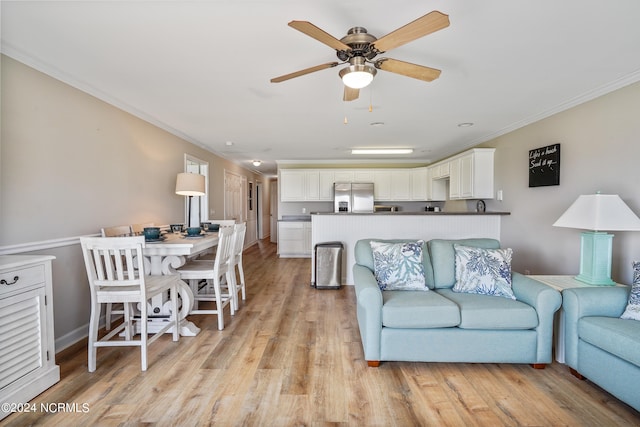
[27, 352]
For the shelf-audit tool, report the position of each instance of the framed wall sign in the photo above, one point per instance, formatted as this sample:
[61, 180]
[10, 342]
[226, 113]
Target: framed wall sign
[544, 166]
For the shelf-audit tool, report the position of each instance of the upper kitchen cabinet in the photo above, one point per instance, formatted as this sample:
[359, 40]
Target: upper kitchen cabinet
[382, 185]
[420, 184]
[471, 174]
[440, 170]
[299, 185]
[326, 178]
[392, 184]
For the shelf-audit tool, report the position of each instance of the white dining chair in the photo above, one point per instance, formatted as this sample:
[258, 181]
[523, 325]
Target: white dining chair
[223, 222]
[138, 229]
[116, 231]
[115, 269]
[210, 255]
[213, 272]
[236, 262]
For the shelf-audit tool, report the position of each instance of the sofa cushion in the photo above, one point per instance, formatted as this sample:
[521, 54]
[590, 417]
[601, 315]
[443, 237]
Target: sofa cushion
[632, 311]
[364, 256]
[617, 336]
[417, 309]
[398, 266]
[443, 259]
[483, 271]
[489, 312]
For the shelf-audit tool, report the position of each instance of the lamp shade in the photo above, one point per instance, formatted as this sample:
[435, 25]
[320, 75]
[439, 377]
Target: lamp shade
[190, 184]
[599, 212]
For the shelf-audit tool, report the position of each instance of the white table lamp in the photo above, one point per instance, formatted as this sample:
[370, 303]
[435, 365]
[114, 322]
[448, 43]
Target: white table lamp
[190, 184]
[598, 212]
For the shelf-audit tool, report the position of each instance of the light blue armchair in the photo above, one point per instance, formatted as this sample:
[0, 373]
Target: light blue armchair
[598, 344]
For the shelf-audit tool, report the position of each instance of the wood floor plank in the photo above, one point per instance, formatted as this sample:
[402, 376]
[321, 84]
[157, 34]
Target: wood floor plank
[292, 356]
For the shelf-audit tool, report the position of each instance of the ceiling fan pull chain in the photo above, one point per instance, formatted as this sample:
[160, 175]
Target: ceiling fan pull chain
[370, 99]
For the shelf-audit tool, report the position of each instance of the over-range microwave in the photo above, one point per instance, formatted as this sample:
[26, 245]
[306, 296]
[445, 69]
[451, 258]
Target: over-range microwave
[385, 208]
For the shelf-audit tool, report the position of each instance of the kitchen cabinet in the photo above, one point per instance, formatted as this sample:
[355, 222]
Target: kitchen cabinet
[440, 171]
[299, 185]
[400, 185]
[392, 184]
[343, 175]
[454, 179]
[469, 175]
[382, 185]
[294, 239]
[326, 178]
[472, 175]
[26, 329]
[364, 175]
[420, 184]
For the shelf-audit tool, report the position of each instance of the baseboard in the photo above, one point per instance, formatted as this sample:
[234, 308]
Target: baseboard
[78, 334]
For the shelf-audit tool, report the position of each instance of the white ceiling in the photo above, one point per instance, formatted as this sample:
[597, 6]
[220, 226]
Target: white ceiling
[201, 69]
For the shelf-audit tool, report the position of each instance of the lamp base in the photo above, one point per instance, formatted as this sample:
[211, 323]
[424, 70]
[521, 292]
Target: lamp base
[595, 258]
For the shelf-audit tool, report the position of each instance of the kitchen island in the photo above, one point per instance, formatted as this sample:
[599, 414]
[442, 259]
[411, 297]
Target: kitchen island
[348, 228]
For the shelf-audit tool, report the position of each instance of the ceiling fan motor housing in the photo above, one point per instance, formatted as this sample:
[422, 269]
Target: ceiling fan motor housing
[360, 42]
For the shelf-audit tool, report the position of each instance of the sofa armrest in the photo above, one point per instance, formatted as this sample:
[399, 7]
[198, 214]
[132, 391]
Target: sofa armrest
[369, 310]
[546, 301]
[590, 301]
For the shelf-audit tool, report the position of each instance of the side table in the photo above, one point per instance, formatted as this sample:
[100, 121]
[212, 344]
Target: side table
[561, 283]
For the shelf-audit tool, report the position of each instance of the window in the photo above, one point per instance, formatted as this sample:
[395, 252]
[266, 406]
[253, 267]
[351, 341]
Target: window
[199, 205]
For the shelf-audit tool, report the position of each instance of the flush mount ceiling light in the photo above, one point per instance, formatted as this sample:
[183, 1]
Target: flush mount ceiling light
[358, 74]
[382, 151]
[257, 163]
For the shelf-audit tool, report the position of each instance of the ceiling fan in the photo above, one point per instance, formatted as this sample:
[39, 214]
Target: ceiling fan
[359, 48]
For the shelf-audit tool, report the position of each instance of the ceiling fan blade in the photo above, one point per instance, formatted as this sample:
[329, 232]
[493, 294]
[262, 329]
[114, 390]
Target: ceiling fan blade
[303, 72]
[429, 23]
[350, 94]
[408, 69]
[312, 31]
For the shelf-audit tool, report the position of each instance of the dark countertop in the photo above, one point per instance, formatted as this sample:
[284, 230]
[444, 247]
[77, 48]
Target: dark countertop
[295, 218]
[412, 213]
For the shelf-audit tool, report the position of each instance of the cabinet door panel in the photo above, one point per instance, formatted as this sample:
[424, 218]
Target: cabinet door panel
[326, 180]
[292, 185]
[466, 176]
[401, 185]
[22, 334]
[382, 185]
[312, 185]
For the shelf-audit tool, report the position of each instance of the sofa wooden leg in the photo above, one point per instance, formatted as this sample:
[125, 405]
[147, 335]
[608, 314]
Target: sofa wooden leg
[538, 365]
[373, 363]
[576, 374]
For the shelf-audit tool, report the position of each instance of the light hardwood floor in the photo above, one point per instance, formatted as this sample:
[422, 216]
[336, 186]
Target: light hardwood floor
[292, 356]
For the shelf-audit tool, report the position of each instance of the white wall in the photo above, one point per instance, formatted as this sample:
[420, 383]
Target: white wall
[600, 149]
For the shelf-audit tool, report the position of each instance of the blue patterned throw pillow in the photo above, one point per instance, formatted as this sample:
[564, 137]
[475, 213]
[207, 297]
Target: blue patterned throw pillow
[398, 266]
[483, 271]
[633, 306]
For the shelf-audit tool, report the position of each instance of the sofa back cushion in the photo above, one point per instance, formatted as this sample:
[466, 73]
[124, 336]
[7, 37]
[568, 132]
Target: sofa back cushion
[364, 256]
[443, 258]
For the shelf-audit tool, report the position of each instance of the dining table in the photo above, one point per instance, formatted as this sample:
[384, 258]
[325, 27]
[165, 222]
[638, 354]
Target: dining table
[163, 256]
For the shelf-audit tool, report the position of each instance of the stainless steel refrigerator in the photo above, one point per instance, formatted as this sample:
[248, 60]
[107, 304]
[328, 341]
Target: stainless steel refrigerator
[354, 197]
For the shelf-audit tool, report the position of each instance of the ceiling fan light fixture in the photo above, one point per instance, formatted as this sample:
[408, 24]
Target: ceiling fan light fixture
[357, 76]
[382, 151]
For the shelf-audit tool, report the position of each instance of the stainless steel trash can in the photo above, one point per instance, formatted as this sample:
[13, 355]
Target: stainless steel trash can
[328, 269]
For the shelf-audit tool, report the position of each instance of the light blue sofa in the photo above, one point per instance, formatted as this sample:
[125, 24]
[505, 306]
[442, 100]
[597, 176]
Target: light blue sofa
[444, 326]
[600, 345]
